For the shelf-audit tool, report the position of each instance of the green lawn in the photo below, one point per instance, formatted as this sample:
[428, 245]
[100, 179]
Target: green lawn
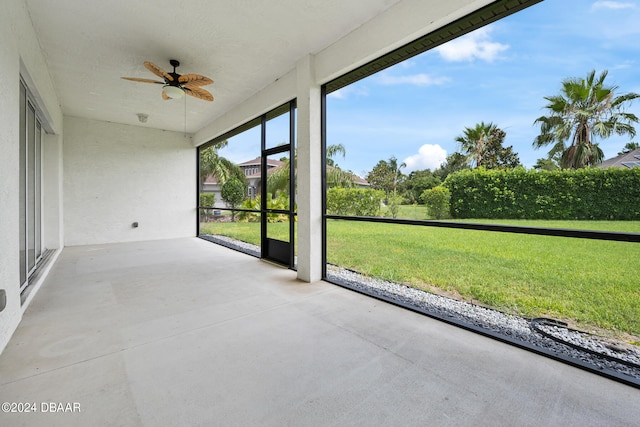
[420, 212]
[246, 231]
[587, 282]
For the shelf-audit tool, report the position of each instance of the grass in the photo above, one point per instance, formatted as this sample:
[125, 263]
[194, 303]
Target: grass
[420, 212]
[246, 231]
[589, 283]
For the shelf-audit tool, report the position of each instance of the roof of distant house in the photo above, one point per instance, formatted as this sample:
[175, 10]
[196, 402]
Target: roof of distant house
[271, 165]
[627, 160]
[257, 161]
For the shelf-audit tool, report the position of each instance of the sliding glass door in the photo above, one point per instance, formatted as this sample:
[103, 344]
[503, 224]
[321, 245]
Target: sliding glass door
[30, 180]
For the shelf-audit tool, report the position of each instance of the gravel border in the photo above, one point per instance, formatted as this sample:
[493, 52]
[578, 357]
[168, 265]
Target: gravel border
[515, 329]
[237, 245]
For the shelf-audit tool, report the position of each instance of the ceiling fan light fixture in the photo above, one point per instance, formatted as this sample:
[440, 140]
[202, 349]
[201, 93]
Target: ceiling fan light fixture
[174, 85]
[173, 92]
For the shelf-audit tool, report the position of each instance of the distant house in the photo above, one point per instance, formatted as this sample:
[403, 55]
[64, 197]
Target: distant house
[253, 170]
[628, 160]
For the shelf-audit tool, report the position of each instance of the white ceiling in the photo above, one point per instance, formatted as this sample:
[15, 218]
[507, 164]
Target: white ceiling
[243, 45]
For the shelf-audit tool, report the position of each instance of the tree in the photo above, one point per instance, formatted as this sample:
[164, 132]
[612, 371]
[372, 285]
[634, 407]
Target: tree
[629, 147]
[332, 151]
[584, 110]
[473, 141]
[387, 175]
[496, 156]
[548, 164]
[212, 164]
[455, 162]
[393, 206]
[337, 177]
[232, 193]
[418, 181]
[278, 178]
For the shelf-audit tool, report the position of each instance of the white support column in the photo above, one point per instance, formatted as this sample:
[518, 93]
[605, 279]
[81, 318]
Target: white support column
[309, 195]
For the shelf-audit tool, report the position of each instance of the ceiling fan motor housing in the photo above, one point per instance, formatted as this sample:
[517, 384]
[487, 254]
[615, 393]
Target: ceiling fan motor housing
[174, 63]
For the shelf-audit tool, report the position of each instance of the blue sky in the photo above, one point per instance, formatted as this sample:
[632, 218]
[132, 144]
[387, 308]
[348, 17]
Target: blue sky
[499, 73]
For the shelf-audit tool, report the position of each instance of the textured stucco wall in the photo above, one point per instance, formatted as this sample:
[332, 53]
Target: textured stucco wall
[117, 174]
[9, 255]
[19, 54]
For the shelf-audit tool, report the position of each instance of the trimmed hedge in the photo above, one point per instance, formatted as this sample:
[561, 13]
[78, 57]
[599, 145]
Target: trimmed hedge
[354, 201]
[589, 193]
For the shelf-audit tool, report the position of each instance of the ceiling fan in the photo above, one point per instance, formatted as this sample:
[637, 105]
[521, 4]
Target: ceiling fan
[176, 85]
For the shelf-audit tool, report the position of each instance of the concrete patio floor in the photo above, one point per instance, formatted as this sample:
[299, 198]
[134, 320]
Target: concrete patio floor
[187, 333]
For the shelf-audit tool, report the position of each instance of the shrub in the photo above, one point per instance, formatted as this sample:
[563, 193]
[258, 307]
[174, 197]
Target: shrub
[253, 204]
[437, 201]
[588, 193]
[281, 203]
[354, 201]
[393, 205]
[207, 200]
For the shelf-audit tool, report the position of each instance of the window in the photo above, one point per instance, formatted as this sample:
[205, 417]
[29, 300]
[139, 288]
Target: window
[247, 222]
[30, 187]
[455, 231]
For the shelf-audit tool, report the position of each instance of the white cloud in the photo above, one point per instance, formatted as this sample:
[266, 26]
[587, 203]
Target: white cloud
[338, 94]
[408, 63]
[345, 92]
[429, 157]
[421, 79]
[475, 45]
[612, 5]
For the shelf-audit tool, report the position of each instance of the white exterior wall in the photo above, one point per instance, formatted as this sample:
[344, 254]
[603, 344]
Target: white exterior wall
[115, 175]
[19, 54]
[52, 231]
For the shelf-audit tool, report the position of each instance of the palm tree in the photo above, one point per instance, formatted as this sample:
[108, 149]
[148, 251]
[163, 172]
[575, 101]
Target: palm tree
[332, 150]
[212, 164]
[584, 110]
[474, 140]
[395, 169]
[278, 179]
[337, 177]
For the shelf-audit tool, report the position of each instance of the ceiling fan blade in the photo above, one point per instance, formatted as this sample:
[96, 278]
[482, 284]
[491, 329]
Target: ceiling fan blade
[158, 71]
[194, 80]
[135, 79]
[198, 93]
[164, 96]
